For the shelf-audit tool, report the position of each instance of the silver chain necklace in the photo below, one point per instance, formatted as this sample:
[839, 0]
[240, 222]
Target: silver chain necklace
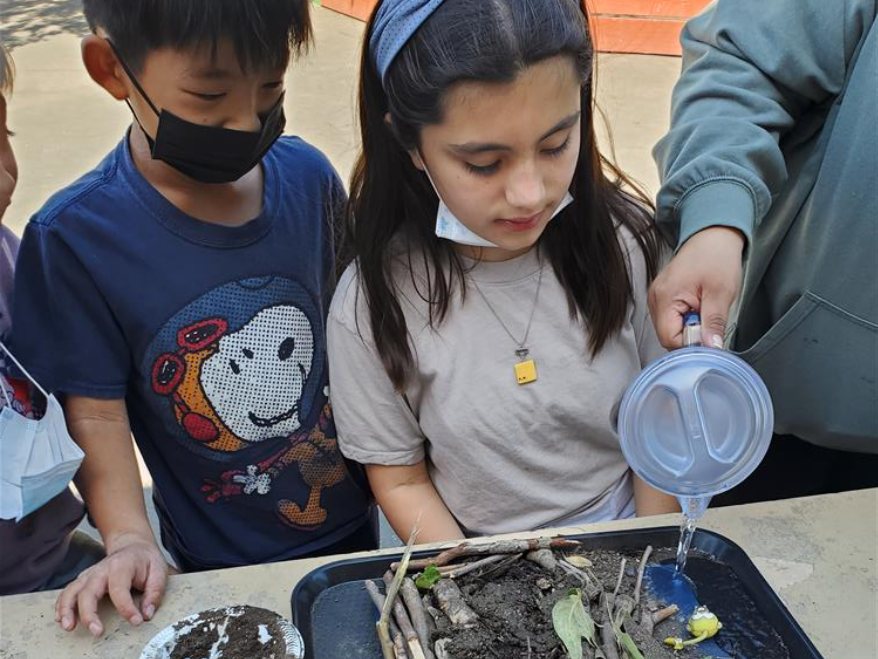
[525, 369]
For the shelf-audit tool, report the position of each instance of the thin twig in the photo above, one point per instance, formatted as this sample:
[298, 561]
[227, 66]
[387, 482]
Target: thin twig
[499, 547]
[417, 614]
[621, 576]
[608, 633]
[383, 624]
[461, 570]
[663, 614]
[623, 607]
[500, 568]
[649, 621]
[413, 642]
[378, 599]
[640, 570]
[399, 647]
[389, 647]
[427, 603]
[592, 591]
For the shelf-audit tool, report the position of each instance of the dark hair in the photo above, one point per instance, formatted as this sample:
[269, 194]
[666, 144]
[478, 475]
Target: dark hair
[7, 72]
[490, 41]
[263, 32]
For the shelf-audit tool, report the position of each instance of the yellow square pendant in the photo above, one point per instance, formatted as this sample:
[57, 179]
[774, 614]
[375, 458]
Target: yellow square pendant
[526, 372]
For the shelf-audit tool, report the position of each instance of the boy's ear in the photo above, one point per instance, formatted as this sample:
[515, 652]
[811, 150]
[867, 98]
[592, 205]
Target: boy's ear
[103, 67]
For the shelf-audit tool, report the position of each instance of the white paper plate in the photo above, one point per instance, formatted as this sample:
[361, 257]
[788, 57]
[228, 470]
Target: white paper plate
[162, 644]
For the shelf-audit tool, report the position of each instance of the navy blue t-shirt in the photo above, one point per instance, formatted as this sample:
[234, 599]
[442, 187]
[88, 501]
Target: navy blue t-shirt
[215, 336]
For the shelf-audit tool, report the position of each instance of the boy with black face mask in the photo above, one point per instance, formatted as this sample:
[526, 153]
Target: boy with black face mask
[179, 290]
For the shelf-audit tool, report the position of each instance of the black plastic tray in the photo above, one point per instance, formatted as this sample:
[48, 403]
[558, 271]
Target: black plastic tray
[333, 611]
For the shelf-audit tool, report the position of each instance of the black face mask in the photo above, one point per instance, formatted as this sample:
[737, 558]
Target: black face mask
[208, 154]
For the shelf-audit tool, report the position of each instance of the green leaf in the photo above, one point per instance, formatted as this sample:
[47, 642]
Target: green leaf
[428, 578]
[628, 644]
[573, 623]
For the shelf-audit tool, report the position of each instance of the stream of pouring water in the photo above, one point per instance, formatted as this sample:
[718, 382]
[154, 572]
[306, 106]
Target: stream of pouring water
[687, 531]
[693, 509]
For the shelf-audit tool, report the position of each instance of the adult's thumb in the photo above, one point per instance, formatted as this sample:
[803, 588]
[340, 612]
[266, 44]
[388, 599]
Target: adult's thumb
[714, 318]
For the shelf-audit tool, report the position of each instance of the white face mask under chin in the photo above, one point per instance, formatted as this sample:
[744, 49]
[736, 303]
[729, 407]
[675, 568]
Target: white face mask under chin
[37, 458]
[451, 228]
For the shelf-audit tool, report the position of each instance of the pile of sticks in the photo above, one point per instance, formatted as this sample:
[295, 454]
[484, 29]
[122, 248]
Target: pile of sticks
[408, 619]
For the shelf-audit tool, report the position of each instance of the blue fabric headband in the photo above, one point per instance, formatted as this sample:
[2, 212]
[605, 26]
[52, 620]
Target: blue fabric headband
[396, 23]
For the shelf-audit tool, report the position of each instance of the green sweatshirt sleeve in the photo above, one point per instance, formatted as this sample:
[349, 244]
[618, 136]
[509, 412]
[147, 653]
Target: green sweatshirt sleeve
[751, 69]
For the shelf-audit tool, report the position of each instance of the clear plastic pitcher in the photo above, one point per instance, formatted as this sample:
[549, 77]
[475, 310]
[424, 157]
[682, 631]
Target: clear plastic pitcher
[696, 422]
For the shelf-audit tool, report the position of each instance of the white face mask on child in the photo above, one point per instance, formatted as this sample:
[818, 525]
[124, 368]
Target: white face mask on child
[37, 458]
[451, 228]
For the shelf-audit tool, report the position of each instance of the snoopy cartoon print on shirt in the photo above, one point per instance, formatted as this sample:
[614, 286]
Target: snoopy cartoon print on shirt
[248, 385]
[230, 389]
[276, 346]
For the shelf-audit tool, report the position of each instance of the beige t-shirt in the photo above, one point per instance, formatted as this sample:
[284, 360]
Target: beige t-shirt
[503, 457]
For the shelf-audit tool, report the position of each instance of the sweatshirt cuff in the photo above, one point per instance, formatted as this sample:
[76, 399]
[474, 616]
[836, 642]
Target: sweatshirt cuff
[722, 202]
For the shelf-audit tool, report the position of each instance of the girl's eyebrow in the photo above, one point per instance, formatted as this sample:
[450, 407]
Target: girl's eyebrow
[471, 148]
[564, 124]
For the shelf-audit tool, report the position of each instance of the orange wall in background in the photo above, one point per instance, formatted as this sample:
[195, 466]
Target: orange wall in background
[641, 26]
[360, 9]
[621, 26]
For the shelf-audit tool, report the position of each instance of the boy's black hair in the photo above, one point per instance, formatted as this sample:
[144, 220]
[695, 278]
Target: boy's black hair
[264, 33]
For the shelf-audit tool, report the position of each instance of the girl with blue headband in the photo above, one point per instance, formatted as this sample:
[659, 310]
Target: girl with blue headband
[496, 308]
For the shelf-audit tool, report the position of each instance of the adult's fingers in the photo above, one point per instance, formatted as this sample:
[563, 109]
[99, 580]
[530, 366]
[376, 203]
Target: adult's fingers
[705, 276]
[669, 324]
[668, 303]
[715, 306]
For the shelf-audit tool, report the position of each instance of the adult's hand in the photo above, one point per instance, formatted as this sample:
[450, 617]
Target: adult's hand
[134, 562]
[705, 276]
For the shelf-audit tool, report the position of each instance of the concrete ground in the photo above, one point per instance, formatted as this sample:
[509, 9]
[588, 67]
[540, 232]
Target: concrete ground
[64, 124]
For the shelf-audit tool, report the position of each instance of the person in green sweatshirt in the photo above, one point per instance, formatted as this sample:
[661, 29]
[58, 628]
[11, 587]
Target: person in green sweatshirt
[770, 195]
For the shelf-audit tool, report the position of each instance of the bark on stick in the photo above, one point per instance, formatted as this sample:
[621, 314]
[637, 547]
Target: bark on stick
[417, 613]
[452, 603]
[499, 547]
[413, 643]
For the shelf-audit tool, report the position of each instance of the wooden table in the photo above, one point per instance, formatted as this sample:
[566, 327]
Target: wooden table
[820, 554]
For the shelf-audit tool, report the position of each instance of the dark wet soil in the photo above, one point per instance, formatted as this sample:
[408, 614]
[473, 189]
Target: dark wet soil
[515, 613]
[243, 634]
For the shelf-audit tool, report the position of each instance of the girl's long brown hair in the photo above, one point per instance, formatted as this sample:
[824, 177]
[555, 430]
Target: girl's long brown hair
[391, 201]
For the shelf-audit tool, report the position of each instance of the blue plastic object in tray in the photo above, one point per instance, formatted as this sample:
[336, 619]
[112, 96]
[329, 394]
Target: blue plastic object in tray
[332, 609]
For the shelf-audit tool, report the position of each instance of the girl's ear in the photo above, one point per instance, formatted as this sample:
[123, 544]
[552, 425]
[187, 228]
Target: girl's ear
[415, 156]
[417, 161]
[103, 67]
